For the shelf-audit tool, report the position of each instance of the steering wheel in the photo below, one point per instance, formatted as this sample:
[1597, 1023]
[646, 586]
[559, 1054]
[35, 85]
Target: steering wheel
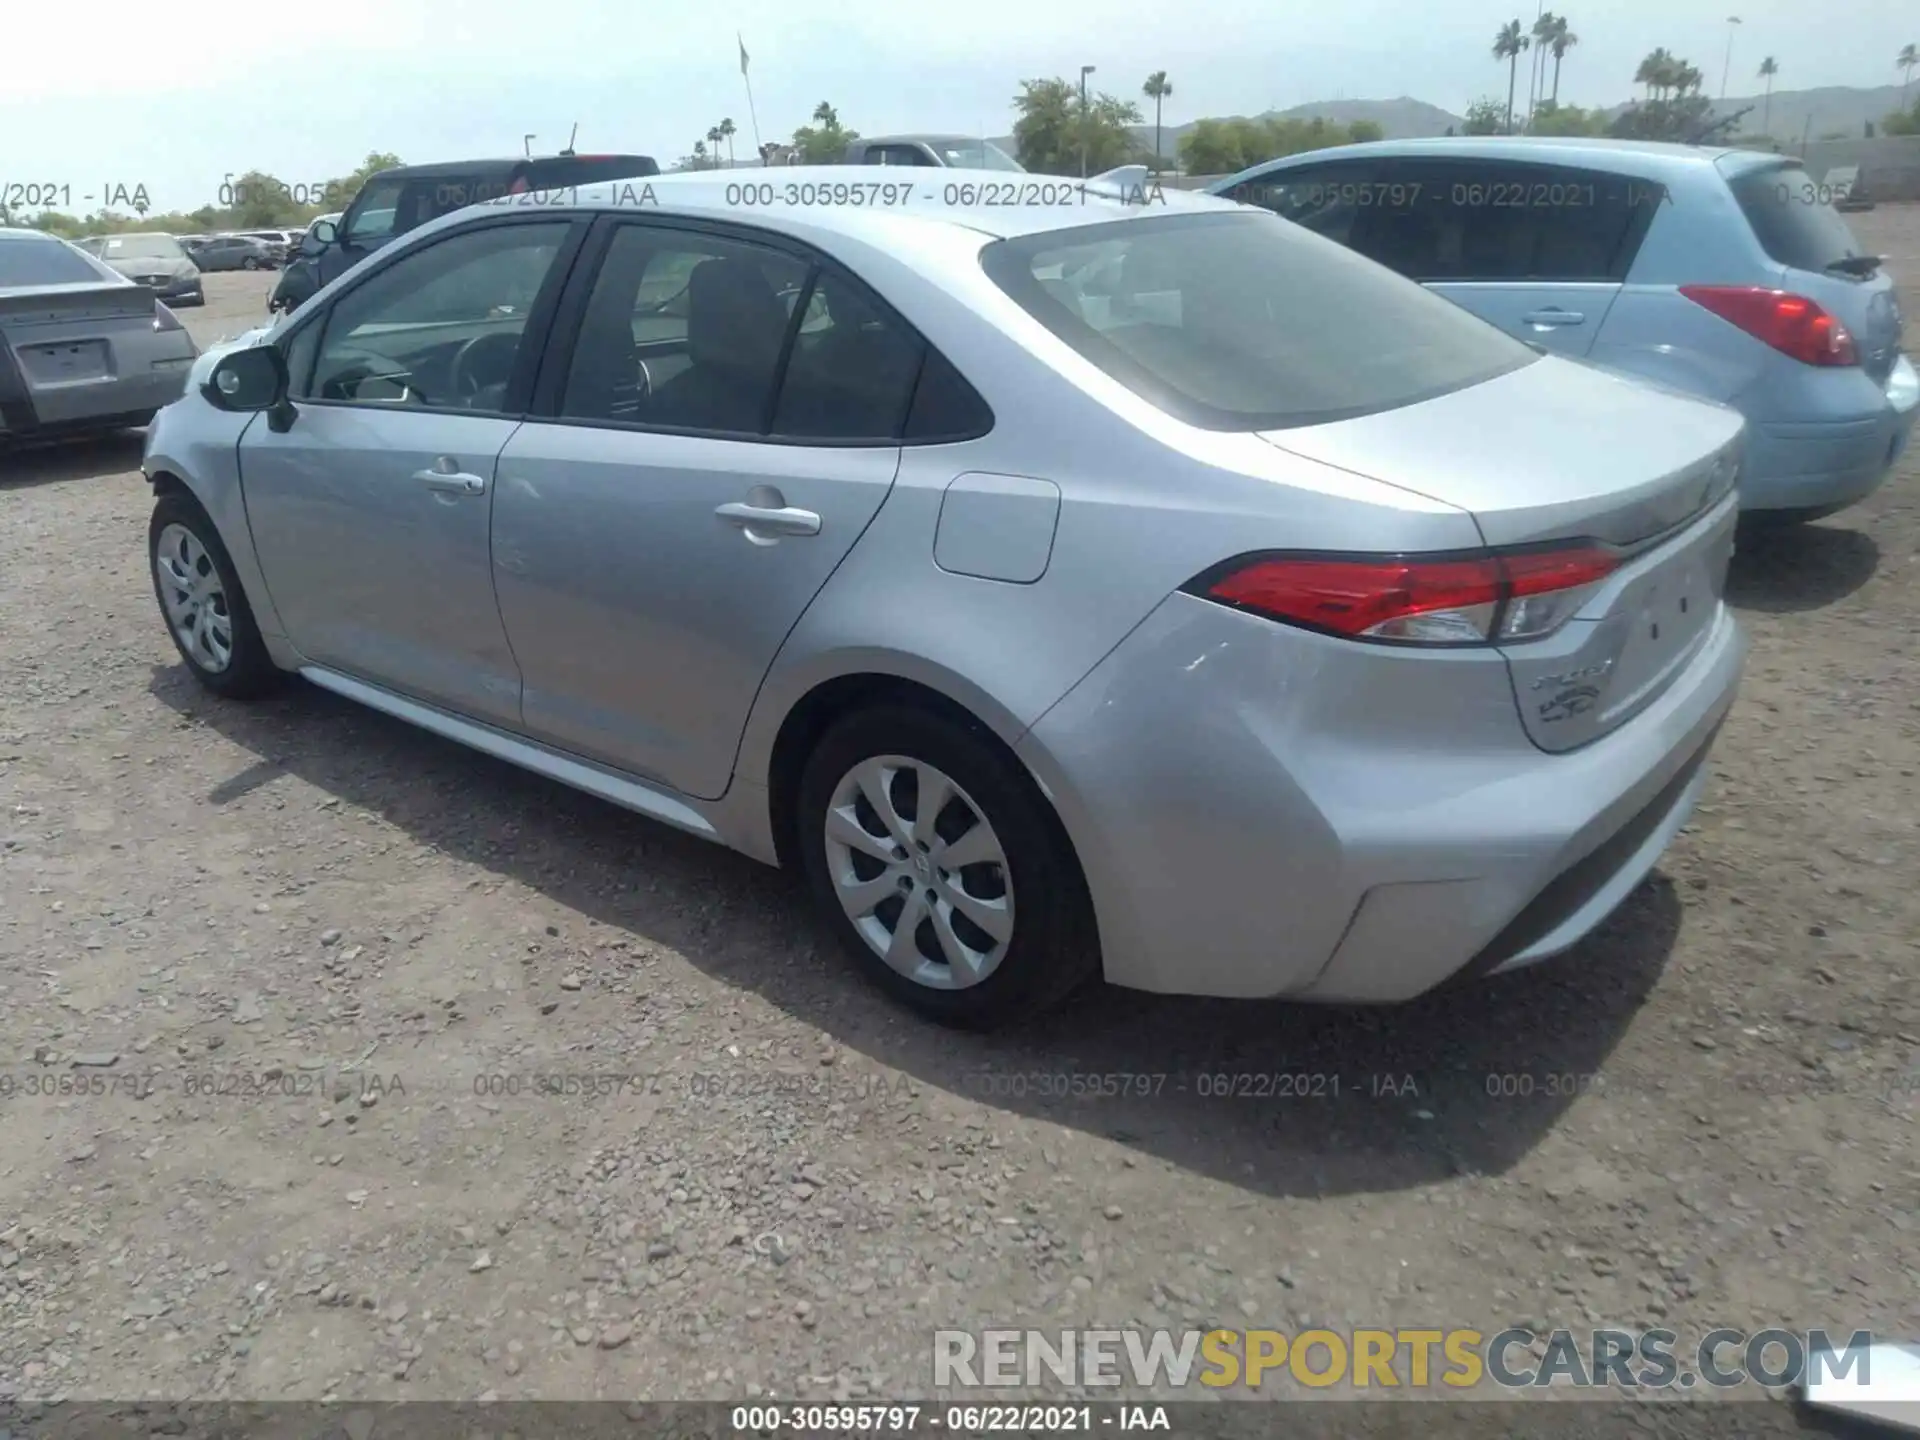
[465, 372]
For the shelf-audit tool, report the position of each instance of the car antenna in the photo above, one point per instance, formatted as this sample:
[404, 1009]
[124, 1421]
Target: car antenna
[526, 143]
[571, 138]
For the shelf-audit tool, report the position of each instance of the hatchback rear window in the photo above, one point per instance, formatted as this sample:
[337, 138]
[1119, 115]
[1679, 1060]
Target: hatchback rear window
[1792, 218]
[1244, 322]
[45, 262]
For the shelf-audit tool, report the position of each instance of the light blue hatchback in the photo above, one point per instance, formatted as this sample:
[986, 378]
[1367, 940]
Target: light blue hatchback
[1722, 273]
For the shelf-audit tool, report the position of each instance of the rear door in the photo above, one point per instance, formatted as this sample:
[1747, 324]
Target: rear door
[1797, 226]
[657, 536]
[1539, 250]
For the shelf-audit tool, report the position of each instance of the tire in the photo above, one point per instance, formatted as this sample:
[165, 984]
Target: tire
[248, 671]
[249, 263]
[1050, 948]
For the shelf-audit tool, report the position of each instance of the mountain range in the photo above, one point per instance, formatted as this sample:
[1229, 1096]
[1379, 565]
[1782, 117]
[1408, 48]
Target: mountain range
[1794, 116]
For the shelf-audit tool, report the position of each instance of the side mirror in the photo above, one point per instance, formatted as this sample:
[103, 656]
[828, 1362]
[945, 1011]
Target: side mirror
[323, 233]
[248, 380]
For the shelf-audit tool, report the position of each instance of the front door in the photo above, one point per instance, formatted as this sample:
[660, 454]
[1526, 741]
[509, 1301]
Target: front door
[371, 511]
[661, 533]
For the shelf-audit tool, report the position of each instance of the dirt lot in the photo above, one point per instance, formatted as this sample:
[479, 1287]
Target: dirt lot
[297, 964]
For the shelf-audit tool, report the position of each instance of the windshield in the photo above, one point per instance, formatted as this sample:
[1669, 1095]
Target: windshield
[1794, 218]
[143, 247]
[45, 262]
[980, 155]
[1245, 322]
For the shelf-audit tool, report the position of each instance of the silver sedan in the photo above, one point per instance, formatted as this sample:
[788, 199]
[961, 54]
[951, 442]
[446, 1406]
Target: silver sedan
[82, 348]
[1069, 581]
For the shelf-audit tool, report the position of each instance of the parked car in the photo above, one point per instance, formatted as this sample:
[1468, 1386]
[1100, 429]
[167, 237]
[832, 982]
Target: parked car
[279, 243]
[396, 201]
[1723, 273]
[229, 252]
[967, 152]
[82, 348]
[1061, 590]
[158, 261]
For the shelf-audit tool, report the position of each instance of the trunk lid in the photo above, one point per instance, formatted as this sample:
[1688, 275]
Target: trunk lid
[1560, 451]
[68, 341]
[1793, 218]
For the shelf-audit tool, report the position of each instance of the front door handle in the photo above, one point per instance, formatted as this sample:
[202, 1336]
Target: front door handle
[764, 524]
[1553, 319]
[447, 477]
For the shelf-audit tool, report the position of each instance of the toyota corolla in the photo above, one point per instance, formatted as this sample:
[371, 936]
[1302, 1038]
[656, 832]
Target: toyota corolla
[1135, 585]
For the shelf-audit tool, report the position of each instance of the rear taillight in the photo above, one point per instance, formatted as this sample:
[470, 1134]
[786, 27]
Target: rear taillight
[1791, 324]
[519, 186]
[164, 319]
[1478, 599]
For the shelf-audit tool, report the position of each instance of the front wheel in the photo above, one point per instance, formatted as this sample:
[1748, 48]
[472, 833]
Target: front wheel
[200, 598]
[940, 867]
[249, 263]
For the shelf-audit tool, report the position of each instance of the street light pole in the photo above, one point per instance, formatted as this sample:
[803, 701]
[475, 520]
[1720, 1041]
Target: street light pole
[1733, 22]
[1085, 71]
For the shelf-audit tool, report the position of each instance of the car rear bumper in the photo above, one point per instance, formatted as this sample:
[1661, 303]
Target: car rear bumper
[28, 412]
[1829, 464]
[1265, 812]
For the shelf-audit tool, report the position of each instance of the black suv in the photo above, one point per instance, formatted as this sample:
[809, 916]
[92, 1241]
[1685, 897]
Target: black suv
[395, 201]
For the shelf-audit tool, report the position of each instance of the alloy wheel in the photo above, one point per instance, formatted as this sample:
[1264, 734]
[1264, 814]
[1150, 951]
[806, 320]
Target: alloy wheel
[194, 598]
[920, 872]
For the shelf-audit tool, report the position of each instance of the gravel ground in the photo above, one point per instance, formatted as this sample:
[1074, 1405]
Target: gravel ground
[297, 964]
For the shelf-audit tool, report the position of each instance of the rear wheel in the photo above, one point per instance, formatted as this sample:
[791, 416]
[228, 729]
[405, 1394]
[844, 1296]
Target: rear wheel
[200, 598]
[939, 866]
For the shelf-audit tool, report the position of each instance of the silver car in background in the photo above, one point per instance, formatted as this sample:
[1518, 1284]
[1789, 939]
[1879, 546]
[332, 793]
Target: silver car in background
[82, 348]
[1722, 273]
[159, 262]
[1156, 591]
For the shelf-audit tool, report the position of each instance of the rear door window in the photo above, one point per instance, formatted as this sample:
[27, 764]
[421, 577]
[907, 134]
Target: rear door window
[1792, 217]
[1240, 322]
[1326, 199]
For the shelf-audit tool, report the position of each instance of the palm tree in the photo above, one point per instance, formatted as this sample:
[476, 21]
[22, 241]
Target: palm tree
[727, 132]
[1157, 89]
[1562, 40]
[1659, 72]
[826, 117]
[1542, 32]
[1507, 46]
[1769, 68]
[700, 155]
[1908, 59]
[713, 142]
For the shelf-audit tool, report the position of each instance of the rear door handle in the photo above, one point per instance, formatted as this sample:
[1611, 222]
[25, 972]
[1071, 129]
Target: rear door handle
[446, 476]
[1552, 319]
[762, 524]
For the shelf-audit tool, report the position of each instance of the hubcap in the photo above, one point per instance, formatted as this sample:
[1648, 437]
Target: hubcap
[920, 872]
[194, 599]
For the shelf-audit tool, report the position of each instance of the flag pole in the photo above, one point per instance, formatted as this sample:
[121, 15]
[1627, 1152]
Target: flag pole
[752, 118]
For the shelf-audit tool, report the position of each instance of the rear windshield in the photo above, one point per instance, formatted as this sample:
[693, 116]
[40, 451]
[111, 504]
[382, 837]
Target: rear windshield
[1244, 322]
[1793, 217]
[143, 247]
[45, 262]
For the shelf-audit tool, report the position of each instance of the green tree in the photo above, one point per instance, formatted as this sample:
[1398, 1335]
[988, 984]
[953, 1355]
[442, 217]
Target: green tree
[1676, 110]
[1508, 45]
[1769, 68]
[1558, 43]
[1483, 117]
[1157, 89]
[1903, 122]
[1051, 127]
[1906, 62]
[825, 141]
[1537, 61]
[1556, 119]
[727, 131]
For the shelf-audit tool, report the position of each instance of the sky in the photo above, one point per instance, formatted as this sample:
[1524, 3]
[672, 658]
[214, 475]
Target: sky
[96, 98]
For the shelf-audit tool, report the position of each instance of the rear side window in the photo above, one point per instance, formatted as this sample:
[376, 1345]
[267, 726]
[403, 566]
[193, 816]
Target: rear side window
[1791, 218]
[45, 262]
[1242, 322]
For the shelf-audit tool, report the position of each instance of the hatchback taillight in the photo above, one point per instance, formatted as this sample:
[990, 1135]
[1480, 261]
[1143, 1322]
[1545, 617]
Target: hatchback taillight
[1791, 324]
[164, 319]
[1490, 597]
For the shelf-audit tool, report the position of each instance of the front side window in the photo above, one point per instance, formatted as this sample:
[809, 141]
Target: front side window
[373, 214]
[442, 327]
[684, 331]
[1324, 198]
[1242, 322]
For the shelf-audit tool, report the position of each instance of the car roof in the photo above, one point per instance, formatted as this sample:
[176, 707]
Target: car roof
[21, 232]
[1653, 158]
[936, 137]
[1050, 202]
[440, 168]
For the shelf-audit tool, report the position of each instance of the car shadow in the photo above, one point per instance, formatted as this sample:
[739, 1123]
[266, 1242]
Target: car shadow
[25, 466]
[1285, 1099]
[1783, 570]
